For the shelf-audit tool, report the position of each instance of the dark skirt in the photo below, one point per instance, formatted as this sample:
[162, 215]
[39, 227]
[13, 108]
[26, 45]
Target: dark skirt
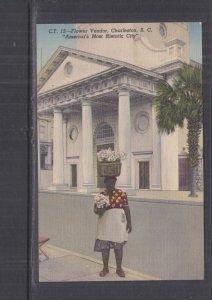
[103, 245]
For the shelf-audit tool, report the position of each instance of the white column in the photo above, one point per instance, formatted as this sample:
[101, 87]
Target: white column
[156, 159]
[48, 158]
[87, 148]
[58, 151]
[65, 150]
[124, 138]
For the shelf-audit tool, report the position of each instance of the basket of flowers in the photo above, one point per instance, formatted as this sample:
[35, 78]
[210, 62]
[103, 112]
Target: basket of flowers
[110, 162]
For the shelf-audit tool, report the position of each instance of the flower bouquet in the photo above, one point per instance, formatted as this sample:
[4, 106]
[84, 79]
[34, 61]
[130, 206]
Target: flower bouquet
[110, 162]
[101, 202]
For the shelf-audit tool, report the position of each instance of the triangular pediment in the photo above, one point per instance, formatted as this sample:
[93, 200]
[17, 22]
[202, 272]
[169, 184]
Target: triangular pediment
[69, 65]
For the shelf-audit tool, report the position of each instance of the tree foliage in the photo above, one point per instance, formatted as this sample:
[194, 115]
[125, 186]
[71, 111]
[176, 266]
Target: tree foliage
[179, 101]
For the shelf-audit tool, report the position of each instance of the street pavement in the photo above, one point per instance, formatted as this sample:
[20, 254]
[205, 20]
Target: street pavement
[64, 265]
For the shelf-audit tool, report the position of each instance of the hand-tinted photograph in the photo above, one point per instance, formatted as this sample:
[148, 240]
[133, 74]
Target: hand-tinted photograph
[120, 152]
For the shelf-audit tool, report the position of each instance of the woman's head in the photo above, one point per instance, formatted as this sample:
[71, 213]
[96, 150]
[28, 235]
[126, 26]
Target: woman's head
[110, 182]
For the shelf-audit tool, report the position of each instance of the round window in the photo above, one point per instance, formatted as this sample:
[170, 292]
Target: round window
[73, 133]
[162, 30]
[68, 69]
[141, 122]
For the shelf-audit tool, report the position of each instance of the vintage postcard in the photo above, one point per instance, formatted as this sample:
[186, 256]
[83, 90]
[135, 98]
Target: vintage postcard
[120, 151]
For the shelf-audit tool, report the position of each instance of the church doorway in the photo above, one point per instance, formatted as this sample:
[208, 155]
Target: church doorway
[183, 174]
[104, 139]
[100, 180]
[73, 175]
[144, 182]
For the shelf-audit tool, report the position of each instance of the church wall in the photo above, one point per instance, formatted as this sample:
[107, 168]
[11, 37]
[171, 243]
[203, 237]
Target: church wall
[74, 147]
[152, 49]
[148, 49]
[118, 48]
[141, 141]
[169, 161]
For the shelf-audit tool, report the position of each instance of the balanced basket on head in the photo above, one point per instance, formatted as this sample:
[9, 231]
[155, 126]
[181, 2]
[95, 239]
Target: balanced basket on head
[109, 169]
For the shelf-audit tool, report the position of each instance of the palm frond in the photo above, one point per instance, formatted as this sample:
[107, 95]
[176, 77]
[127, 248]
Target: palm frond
[167, 112]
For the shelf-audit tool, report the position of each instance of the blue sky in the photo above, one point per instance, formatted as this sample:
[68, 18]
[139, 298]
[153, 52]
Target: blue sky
[48, 43]
[195, 35]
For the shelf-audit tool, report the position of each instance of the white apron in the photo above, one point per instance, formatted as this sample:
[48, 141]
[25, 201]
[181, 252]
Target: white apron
[111, 226]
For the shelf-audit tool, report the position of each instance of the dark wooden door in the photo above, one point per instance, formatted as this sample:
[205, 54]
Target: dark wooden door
[100, 180]
[74, 175]
[183, 174]
[144, 175]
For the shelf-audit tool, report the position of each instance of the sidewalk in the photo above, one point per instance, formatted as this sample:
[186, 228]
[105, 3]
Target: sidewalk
[64, 265]
[169, 196]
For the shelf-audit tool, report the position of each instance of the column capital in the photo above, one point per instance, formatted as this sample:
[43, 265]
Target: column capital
[123, 90]
[57, 110]
[86, 102]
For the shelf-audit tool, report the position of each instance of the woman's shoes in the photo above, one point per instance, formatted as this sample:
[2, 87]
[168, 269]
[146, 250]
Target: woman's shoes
[120, 272]
[104, 272]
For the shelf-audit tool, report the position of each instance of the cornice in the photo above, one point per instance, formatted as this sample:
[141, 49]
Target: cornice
[174, 42]
[104, 75]
[169, 67]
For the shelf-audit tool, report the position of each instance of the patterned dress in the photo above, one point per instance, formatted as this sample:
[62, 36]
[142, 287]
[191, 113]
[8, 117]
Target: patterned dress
[117, 200]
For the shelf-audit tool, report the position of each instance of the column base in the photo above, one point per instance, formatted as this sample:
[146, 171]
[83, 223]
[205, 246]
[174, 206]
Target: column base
[156, 187]
[88, 188]
[128, 189]
[58, 187]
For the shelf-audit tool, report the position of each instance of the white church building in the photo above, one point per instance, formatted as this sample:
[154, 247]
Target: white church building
[100, 95]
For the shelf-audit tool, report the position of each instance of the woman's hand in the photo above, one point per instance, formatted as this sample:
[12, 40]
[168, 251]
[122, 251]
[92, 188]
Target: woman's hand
[128, 217]
[129, 227]
[95, 209]
[98, 211]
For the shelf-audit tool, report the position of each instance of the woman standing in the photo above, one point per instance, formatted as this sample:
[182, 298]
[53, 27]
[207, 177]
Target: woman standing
[113, 226]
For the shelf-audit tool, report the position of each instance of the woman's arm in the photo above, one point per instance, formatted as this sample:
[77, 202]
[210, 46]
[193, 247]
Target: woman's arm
[128, 217]
[95, 209]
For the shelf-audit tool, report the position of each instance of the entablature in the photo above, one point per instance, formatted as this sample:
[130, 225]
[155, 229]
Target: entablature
[98, 86]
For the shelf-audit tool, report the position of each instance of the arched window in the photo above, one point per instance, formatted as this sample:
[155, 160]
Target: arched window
[104, 131]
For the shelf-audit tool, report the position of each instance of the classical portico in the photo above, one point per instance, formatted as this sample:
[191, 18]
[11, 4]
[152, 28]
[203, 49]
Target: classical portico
[116, 89]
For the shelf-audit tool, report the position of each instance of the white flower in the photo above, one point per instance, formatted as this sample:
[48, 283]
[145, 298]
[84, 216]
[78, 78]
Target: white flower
[109, 155]
[101, 201]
